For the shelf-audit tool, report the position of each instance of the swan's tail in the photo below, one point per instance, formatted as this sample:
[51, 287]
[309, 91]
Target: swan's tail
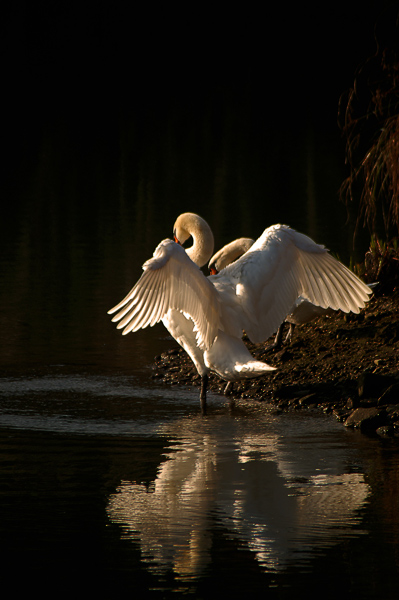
[253, 368]
[231, 359]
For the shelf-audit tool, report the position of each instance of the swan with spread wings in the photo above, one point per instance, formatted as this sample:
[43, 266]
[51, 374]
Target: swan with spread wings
[208, 315]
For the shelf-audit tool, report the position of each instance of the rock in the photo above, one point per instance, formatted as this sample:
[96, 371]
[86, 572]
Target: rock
[393, 411]
[341, 414]
[308, 400]
[367, 403]
[366, 419]
[385, 431]
[352, 403]
[390, 396]
[372, 385]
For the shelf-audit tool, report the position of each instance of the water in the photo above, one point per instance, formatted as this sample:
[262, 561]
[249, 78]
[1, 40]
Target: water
[110, 487]
[110, 484]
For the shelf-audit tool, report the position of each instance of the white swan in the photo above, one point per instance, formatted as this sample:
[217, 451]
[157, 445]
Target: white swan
[300, 313]
[207, 315]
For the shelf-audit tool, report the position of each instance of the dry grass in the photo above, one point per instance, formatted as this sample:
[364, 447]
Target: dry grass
[369, 118]
[381, 264]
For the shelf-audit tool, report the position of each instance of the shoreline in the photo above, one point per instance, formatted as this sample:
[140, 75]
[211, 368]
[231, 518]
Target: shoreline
[346, 365]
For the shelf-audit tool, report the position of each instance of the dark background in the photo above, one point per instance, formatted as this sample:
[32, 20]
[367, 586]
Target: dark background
[89, 68]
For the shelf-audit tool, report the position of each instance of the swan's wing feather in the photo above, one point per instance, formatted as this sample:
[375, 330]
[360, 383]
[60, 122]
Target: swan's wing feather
[260, 288]
[170, 281]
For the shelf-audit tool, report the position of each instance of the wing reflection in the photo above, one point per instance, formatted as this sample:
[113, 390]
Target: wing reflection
[270, 493]
[171, 520]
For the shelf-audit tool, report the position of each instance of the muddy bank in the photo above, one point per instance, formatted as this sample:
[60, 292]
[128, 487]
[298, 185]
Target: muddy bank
[345, 365]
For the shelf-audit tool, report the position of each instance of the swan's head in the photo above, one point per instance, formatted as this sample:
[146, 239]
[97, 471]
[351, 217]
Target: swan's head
[192, 225]
[186, 225]
[229, 254]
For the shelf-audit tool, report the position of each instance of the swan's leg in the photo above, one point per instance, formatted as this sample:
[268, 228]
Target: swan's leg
[288, 338]
[279, 336]
[204, 385]
[277, 340]
[227, 389]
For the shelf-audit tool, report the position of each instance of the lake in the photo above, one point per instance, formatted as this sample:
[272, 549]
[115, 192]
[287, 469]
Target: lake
[108, 486]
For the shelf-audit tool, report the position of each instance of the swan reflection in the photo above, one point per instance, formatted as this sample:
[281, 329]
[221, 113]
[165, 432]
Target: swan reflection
[280, 495]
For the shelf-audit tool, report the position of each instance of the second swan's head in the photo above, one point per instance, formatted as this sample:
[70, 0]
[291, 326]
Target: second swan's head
[228, 254]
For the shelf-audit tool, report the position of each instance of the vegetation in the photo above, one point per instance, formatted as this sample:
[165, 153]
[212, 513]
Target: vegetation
[369, 118]
[381, 264]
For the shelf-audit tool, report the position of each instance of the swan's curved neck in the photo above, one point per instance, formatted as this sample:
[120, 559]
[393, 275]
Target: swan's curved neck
[190, 224]
[229, 253]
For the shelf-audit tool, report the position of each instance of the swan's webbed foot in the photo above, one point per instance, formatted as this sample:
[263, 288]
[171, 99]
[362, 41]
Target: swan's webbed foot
[204, 386]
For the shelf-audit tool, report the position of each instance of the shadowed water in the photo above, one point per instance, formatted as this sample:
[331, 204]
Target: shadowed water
[115, 487]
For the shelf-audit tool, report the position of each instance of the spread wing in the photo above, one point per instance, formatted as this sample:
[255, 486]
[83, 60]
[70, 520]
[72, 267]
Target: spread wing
[170, 281]
[259, 289]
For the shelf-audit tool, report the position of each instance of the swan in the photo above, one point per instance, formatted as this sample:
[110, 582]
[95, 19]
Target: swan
[228, 254]
[207, 315]
[300, 313]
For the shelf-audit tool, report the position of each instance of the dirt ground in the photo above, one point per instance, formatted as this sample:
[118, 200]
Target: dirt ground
[342, 364]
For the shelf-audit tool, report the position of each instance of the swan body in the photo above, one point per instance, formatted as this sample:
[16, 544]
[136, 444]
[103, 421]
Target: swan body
[304, 311]
[207, 315]
[301, 312]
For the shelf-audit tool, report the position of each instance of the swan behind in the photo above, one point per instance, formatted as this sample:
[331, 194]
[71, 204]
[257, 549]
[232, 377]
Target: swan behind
[300, 313]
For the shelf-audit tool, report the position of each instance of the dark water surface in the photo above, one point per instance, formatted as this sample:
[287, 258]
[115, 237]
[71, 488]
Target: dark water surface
[110, 487]
[110, 484]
